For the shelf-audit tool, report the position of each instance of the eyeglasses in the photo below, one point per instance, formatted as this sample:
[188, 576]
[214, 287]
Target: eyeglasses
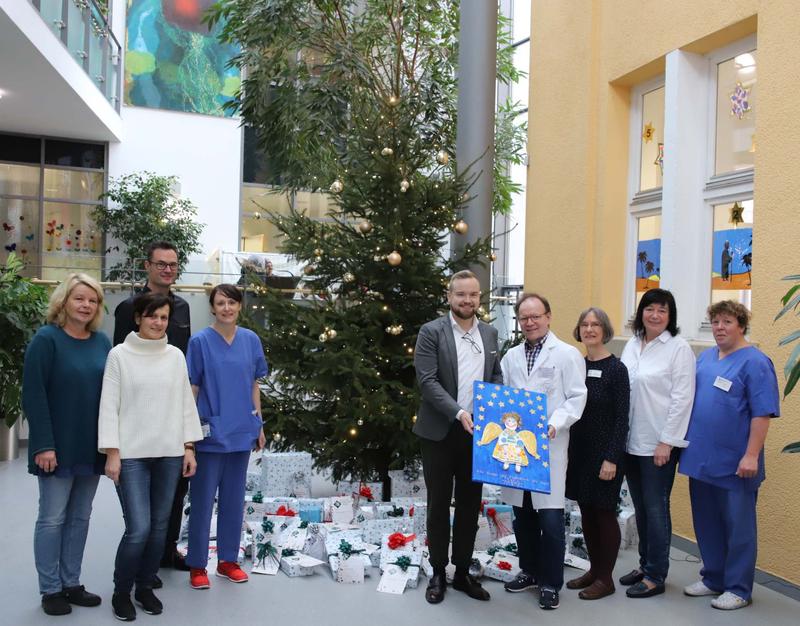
[161, 266]
[531, 318]
[476, 349]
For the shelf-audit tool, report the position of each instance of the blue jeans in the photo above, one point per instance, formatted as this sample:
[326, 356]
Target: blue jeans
[650, 488]
[540, 542]
[65, 505]
[146, 489]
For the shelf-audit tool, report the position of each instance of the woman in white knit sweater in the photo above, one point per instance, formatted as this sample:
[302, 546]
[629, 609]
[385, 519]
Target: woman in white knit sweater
[147, 428]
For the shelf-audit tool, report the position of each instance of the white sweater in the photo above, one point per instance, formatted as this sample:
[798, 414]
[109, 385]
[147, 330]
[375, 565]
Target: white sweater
[147, 408]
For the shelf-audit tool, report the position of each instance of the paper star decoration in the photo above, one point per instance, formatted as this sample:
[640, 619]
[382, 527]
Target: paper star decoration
[660, 158]
[737, 211]
[649, 132]
[740, 101]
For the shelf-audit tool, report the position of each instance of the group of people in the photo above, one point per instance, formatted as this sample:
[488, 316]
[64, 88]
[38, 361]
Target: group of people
[652, 412]
[159, 408]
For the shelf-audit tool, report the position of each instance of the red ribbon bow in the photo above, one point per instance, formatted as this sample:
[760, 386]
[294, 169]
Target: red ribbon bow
[365, 492]
[491, 513]
[285, 511]
[504, 565]
[398, 540]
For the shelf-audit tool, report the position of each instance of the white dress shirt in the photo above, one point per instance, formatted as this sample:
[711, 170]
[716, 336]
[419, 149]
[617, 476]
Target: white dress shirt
[470, 361]
[662, 392]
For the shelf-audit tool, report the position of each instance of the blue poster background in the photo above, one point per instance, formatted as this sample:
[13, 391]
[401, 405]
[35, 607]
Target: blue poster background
[495, 445]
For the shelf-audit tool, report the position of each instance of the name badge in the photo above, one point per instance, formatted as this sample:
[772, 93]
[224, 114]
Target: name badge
[594, 373]
[206, 430]
[723, 383]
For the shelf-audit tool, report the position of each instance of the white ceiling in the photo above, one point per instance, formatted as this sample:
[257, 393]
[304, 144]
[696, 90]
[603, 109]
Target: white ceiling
[38, 98]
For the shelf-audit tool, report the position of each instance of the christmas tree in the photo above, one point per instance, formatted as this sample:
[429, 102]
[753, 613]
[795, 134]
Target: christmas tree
[364, 109]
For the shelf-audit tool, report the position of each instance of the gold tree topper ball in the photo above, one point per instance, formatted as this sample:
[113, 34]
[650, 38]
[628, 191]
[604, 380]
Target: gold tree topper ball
[404, 185]
[337, 186]
[387, 151]
[348, 277]
[364, 227]
[393, 100]
[461, 227]
[443, 157]
[394, 258]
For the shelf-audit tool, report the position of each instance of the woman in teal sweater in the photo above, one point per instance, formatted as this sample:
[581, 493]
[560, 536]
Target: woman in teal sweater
[61, 385]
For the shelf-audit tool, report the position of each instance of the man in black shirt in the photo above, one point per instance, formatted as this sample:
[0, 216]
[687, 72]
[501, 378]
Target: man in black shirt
[162, 271]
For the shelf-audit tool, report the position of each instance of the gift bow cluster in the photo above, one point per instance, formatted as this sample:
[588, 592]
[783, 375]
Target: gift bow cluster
[399, 540]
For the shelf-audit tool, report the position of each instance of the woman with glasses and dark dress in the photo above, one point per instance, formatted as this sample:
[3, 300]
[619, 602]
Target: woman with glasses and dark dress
[148, 426]
[596, 451]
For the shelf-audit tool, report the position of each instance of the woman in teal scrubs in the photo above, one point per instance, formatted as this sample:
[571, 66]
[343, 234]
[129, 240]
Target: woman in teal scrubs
[736, 396]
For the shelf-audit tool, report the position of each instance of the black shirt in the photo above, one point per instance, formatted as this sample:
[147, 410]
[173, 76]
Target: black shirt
[178, 331]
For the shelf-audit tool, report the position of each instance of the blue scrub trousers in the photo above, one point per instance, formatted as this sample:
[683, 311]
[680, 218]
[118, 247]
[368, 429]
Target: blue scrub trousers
[225, 472]
[725, 526]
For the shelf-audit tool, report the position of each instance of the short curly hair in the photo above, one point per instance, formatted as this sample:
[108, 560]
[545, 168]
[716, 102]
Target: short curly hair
[732, 308]
[56, 312]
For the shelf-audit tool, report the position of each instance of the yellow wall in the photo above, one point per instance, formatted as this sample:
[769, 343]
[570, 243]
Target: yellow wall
[585, 56]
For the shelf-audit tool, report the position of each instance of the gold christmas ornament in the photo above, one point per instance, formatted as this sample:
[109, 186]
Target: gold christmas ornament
[337, 186]
[413, 419]
[323, 337]
[256, 215]
[487, 318]
[387, 151]
[394, 258]
[317, 251]
[360, 422]
[461, 227]
[481, 310]
[309, 269]
[331, 333]
[276, 437]
[377, 258]
[393, 101]
[365, 227]
[492, 257]
[443, 157]
[348, 277]
[404, 185]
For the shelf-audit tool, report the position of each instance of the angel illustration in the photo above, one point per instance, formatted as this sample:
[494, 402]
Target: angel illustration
[511, 445]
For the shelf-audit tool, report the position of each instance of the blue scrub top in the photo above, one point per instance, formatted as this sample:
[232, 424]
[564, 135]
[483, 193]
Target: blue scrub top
[720, 424]
[225, 375]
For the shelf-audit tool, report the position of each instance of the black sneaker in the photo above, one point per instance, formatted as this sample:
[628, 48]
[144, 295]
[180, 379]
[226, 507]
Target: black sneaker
[148, 601]
[80, 597]
[157, 582]
[123, 608]
[548, 598]
[522, 582]
[56, 604]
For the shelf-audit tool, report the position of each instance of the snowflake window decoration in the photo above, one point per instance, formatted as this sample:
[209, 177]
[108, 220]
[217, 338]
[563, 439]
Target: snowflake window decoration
[740, 101]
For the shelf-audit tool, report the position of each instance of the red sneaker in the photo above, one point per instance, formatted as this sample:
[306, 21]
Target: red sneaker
[231, 571]
[198, 579]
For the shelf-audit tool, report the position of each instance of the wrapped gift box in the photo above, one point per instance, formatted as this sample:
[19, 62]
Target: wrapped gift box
[350, 571]
[347, 545]
[315, 541]
[287, 507]
[298, 564]
[395, 545]
[286, 474]
[625, 501]
[363, 492]
[627, 528]
[266, 552]
[364, 513]
[253, 480]
[577, 545]
[338, 509]
[253, 510]
[392, 509]
[374, 530]
[419, 519]
[503, 566]
[408, 483]
[500, 518]
[311, 509]
[504, 544]
[483, 538]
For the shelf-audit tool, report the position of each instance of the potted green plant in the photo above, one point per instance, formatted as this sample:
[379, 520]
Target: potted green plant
[790, 301]
[22, 309]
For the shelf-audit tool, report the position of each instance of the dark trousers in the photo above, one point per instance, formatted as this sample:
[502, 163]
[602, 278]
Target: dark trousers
[602, 535]
[444, 463]
[175, 518]
[650, 487]
[540, 542]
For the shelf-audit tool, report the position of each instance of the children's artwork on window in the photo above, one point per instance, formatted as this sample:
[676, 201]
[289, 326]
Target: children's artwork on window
[732, 252]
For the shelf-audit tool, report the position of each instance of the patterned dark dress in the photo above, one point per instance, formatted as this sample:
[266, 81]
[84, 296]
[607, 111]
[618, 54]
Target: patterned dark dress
[600, 435]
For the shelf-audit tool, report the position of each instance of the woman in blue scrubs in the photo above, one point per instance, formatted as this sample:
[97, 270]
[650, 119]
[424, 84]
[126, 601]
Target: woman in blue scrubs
[736, 396]
[225, 363]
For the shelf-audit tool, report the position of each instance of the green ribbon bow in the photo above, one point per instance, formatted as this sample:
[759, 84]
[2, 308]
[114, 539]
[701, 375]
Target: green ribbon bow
[258, 497]
[346, 549]
[288, 552]
[268, 526]
[264, 550]
[404, 562]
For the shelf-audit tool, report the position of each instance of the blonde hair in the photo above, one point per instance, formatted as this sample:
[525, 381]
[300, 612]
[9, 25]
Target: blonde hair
[514, 416]
[56, 313]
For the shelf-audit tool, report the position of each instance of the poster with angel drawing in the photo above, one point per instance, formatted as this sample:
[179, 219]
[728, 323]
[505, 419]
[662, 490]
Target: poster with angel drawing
[510, 446]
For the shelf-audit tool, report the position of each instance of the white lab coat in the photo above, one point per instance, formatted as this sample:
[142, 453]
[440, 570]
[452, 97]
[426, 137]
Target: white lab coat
[560, 371]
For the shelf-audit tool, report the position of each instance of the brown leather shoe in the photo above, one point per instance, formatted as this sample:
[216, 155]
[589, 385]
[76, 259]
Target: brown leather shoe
[437, 586]
[581, 582]
[598, 589]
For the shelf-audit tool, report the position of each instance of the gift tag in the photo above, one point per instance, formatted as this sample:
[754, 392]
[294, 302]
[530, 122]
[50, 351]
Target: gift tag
[350, 571]
[723, 383]
[393, 580]
[303, 560]
[594, 373]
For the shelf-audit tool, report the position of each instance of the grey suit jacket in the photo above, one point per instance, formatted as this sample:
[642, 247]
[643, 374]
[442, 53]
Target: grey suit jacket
[436, 362]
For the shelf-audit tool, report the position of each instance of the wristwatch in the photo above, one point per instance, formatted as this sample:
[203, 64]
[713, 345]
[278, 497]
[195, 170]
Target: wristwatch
[188, 446]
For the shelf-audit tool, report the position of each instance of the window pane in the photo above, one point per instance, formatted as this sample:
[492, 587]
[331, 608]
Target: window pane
[519, 90]
[736, 113]
[648, 255]
[20, 230]
[652, 161]
[19, 180]
[20, 149]
[70, 242]
[256, 166]
[74, 154]
[73, 185]
[732, 252]
[521, 13]
[258, 233]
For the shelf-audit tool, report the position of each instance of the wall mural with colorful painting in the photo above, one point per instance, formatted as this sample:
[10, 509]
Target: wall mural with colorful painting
[732, 259]
[173, 62]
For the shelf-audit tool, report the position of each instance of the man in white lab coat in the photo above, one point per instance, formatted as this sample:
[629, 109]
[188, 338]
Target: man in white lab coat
[546, 364]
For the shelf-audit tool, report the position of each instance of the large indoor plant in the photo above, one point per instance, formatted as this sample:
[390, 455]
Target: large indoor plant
[791, 301]
[22, 309]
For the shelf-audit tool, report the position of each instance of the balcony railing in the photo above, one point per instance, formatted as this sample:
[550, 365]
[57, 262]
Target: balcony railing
[83, 28]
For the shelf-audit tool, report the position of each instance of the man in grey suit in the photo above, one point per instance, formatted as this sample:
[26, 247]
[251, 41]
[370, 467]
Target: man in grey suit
[453, 352]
